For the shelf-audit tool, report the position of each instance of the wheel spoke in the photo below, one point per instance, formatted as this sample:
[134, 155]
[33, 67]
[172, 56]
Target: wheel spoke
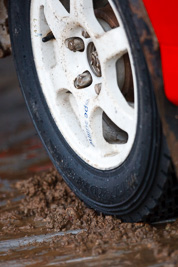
[58, 84]
[80, 6]
[115, 105]
[56, 16]
[41, 2]
[83, 12]
[90, 119]
[112, 44]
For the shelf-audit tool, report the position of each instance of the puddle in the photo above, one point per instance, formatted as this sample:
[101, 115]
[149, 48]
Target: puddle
[7, 245]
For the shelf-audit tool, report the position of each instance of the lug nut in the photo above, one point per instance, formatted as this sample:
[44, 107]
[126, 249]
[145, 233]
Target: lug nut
[75, 44]
[48, 37]
[83, 80]
[98, 88]
[85, 34]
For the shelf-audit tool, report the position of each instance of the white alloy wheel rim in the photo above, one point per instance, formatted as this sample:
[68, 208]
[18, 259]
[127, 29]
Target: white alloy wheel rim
[78, 113]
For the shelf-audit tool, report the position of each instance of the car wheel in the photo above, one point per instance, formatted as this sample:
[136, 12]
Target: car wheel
[87, 87]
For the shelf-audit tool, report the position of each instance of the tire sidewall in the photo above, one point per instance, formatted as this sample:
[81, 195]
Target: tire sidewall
[117, 191]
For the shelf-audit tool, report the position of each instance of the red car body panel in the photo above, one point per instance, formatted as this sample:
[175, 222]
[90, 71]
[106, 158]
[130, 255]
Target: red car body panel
[164, 17]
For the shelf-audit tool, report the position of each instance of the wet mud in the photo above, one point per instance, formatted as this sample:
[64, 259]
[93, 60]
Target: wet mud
[41, 220]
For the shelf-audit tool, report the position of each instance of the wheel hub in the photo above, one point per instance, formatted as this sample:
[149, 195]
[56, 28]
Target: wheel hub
[93, 60]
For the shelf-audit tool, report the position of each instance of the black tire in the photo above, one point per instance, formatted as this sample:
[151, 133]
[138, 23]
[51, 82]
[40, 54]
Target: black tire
[134, 190]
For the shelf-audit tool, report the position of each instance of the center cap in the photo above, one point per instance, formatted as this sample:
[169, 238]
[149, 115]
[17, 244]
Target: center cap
[93, 59]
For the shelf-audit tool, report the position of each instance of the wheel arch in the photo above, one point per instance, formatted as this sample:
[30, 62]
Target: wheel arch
[151, 49]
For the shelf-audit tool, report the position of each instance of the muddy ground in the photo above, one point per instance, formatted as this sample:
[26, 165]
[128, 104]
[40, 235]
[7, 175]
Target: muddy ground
[41, 220]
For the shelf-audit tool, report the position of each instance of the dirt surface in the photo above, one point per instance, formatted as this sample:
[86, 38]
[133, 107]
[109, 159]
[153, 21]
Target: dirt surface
[41, 220]
[50, 207]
